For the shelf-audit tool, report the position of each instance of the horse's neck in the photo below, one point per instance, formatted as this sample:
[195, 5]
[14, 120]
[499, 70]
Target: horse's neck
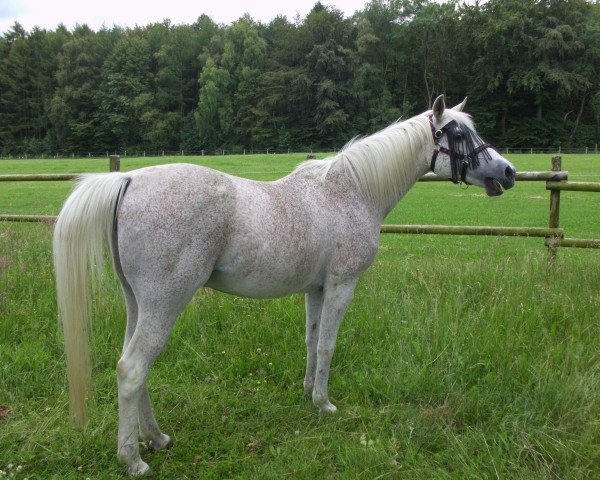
[387, 207]
[380, 168]
[340, 180]
[387, 164]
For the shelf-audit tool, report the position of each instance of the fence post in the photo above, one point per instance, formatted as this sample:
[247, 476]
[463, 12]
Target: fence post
[114, 164]
[554, 209]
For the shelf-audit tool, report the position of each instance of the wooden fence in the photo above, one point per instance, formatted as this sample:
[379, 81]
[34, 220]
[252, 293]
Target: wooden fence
[556, 181]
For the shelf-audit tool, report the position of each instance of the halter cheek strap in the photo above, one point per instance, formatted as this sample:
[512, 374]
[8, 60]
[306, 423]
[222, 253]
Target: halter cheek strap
[437, 135]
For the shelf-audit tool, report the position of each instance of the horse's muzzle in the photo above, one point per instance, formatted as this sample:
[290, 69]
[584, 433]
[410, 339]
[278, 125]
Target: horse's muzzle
[496, 186]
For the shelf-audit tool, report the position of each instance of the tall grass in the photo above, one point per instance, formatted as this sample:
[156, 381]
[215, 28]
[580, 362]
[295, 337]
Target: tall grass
[458, 358]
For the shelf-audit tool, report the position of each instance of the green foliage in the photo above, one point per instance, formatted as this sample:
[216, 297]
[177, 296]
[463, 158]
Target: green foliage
[531, 69]
[214, 114]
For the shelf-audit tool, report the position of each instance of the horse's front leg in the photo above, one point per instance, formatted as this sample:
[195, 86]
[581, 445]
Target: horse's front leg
[336, 299]
[314, 305]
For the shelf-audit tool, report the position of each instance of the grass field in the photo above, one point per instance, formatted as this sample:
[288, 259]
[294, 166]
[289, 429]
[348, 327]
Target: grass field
[460, 357]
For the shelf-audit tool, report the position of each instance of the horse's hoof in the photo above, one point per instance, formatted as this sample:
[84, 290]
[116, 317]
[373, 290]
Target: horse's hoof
[164, 442]
[140, 469]
[327, 407]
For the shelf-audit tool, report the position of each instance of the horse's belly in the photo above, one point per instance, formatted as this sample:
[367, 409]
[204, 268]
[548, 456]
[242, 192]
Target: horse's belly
[266, 272]
[258, 286]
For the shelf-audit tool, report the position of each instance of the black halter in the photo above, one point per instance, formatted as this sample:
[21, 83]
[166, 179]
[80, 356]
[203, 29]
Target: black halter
[460, 161]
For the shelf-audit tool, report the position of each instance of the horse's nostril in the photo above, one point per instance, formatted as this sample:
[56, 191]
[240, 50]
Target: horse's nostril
[509, 172]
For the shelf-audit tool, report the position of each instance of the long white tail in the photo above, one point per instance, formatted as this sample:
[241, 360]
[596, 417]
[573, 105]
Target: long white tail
[83, 231]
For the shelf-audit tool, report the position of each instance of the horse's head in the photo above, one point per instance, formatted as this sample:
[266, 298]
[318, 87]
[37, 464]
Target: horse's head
[462, 155]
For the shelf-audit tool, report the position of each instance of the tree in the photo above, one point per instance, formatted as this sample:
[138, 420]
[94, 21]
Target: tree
[74, 109]
[125, 96]
[329, 76]
[375, 105]
[244, 58]
[214, 114]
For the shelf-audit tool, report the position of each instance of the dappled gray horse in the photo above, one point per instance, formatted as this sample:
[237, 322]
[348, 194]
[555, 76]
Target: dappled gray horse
[175, 228]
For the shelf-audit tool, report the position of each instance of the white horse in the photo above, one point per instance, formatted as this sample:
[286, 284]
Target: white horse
[175, 228]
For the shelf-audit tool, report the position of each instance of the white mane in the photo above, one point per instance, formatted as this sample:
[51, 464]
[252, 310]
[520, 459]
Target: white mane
[386, 164]
[383, 165]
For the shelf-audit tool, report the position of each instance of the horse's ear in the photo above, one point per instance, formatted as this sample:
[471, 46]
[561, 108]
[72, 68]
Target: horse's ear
[461, 106]
[438, 107]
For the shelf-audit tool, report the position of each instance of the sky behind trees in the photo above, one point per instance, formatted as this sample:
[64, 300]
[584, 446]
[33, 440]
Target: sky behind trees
[131, 13]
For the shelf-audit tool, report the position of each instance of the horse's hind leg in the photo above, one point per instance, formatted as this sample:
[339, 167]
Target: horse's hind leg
[149, 429]
[147, 341]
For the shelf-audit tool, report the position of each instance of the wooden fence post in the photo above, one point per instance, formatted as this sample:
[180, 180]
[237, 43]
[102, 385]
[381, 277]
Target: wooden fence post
[114, 163]
[551, 242]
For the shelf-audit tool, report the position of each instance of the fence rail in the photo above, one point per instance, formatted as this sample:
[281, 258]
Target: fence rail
[28, 218]
[556, 181]
[573, 242]
[42, 177]
[475, 230]
[574, 186]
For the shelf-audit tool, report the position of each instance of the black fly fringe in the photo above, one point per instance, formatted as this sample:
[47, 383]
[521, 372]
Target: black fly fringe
[463, 144]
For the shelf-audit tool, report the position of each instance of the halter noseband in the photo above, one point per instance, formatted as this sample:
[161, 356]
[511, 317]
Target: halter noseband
[459, 162]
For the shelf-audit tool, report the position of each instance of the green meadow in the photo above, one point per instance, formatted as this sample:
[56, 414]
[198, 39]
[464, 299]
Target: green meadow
[459, 358]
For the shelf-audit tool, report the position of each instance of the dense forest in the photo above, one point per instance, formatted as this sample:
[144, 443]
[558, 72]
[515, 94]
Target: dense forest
[531, 70]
